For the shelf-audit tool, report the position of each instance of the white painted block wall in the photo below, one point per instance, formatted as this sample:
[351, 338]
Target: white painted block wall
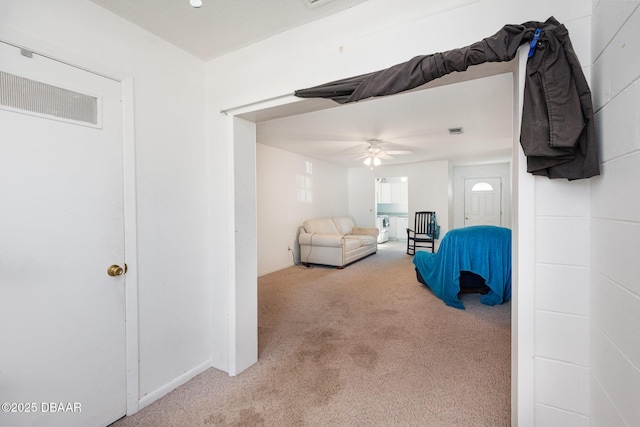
[561, 302]
[615, 212]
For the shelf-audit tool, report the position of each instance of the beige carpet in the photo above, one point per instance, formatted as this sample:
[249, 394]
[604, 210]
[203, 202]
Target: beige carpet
[363, 346]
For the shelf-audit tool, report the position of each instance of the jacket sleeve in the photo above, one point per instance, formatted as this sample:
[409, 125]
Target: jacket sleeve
[502, 46]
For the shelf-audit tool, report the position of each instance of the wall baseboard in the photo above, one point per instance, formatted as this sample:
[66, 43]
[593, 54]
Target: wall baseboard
[173, 384]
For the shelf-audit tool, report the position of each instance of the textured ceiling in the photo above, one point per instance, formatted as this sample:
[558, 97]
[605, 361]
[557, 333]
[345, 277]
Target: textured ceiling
[220, 26]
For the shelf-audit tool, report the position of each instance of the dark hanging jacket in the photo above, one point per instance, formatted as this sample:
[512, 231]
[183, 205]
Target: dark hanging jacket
[557, 133]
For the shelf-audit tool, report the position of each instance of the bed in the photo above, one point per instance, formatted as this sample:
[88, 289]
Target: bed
[477, 253]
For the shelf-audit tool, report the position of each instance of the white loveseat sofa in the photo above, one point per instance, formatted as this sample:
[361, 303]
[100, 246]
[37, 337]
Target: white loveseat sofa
[335, 241]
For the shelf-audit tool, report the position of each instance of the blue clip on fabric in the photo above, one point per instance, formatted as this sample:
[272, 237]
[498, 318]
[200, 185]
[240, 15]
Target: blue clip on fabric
[534, 42]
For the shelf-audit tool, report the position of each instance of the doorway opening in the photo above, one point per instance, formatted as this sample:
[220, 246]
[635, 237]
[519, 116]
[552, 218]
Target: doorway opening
[523, 212]
[392, 208]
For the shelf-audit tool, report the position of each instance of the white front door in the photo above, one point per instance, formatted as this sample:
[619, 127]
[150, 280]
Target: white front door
[62, 357]
[483, 201]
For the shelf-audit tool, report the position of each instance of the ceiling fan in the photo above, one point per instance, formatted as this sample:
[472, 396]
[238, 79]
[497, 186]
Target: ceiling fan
[374, 153]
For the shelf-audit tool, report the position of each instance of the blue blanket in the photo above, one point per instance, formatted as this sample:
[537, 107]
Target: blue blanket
[482, 249]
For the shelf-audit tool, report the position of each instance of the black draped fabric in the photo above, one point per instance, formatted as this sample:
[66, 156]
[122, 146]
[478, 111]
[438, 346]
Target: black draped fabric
[557, 133]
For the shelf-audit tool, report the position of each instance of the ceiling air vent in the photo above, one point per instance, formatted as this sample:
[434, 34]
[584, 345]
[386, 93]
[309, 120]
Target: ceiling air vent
[455, 131]
[315, 3]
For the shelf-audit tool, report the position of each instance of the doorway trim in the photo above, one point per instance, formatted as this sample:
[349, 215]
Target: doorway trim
[43, 48]
[523, 216]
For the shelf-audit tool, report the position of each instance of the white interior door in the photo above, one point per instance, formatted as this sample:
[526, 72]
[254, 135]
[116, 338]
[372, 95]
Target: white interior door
[483, 201]
[61, 226]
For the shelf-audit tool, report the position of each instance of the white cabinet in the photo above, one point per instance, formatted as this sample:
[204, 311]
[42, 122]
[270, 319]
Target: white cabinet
[393, 192]
[385, 193]
[399, 192]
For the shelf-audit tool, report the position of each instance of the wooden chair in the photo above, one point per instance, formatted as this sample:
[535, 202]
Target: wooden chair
[423, 233]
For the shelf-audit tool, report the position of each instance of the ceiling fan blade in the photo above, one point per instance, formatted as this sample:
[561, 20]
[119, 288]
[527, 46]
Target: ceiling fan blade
[398, 152]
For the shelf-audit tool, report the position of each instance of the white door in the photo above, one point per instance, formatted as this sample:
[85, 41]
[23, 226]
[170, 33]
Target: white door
[483, 201]
[62, 357]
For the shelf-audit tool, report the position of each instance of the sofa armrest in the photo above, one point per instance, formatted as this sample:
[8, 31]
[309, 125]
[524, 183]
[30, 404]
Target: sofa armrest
[319, 239]
[366, 231]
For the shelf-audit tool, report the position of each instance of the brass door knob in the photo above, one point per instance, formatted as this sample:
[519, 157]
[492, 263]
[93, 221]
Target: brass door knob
[116, 270]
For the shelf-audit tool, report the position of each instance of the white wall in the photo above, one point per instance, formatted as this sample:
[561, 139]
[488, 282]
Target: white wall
[173, 255]
[460, 173]
[281, 210]
[380, 33]
[615, 217]
[561, 301]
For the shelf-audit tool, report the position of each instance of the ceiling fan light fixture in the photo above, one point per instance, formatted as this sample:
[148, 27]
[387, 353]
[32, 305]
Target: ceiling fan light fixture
[372, 161]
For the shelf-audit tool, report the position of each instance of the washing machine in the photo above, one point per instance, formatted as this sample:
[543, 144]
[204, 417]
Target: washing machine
[382, 224]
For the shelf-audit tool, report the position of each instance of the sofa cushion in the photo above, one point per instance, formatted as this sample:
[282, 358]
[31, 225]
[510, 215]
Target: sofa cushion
[321, 226]
[359, 240]
[344, 224]
[351, 244]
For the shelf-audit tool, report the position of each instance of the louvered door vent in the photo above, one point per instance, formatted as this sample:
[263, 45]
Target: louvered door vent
[34, 97]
